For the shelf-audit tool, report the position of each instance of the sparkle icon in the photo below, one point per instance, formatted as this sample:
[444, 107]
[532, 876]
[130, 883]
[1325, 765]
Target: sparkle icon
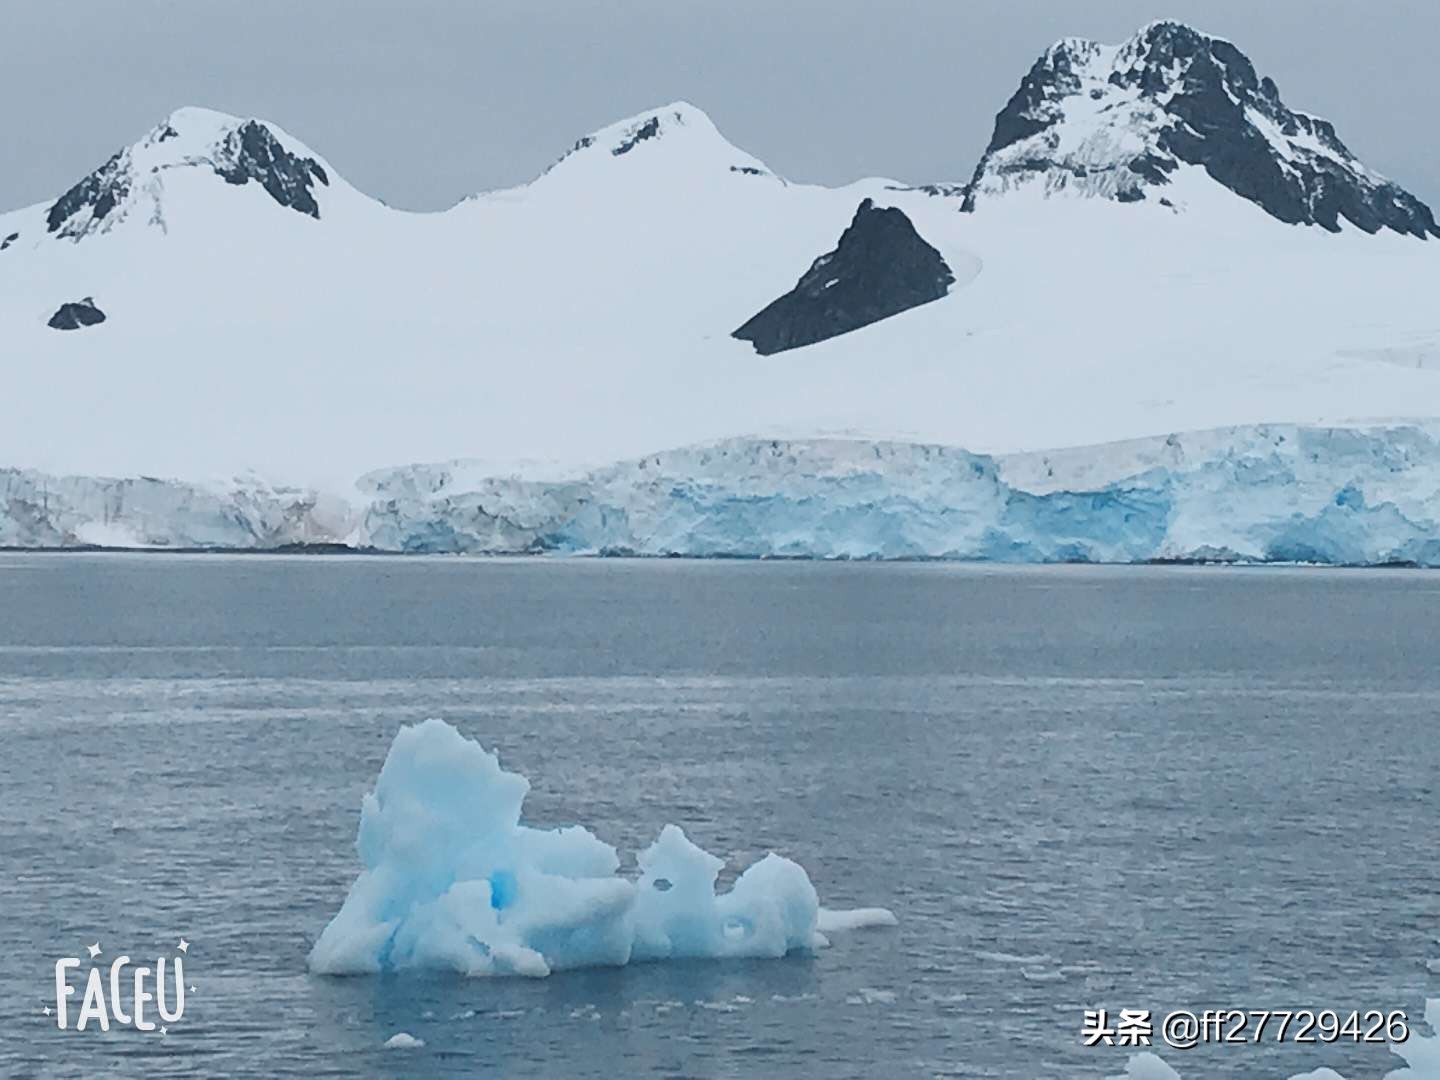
[164, 1031]
[184, 946]
[94, 950]
[47, 1010]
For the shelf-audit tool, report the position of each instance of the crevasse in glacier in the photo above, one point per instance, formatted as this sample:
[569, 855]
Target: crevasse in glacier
[452, 880]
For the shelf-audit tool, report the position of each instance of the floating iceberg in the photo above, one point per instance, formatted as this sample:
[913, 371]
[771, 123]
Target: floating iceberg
[452, 880]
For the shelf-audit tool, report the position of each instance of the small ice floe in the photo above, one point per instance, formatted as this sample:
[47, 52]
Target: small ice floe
[830, 921]
[868, 995]
[794, 997]
[403, 1040]
[1030, 975]
[717, 1006]
[1013, 958]
[1420, 1053]
[1146, 1066]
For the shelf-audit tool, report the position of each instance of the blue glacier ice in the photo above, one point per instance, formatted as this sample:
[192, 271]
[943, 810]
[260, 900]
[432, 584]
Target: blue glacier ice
[1352, 496]
[452, 880]
[1266, 493]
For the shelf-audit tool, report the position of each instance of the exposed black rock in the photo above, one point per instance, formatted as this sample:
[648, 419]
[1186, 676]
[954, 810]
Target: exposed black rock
[9, 240]
[77, 313]
[647, 130]
[100, 192]
[748, 170]
[251, 152]
[1207, 107]
[938, 191]
[880, 267]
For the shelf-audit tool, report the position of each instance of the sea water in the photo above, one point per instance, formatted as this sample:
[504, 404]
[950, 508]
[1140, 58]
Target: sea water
[1077, 788]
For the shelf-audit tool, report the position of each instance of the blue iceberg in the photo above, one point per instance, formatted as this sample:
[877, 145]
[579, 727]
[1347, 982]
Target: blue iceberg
[453, 881]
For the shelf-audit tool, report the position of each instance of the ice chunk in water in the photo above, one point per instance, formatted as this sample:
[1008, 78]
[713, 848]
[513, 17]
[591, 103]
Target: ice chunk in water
[453, 880]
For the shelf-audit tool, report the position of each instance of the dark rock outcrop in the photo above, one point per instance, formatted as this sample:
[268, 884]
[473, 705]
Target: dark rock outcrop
[9, 240]
[100, 192]
[648, 130]
[76, 314]
[880, 268]
[251, 152]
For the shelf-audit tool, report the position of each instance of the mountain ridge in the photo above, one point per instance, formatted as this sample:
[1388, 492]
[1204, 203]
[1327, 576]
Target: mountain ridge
[1118, 121]
[586, 317]
[1123, 122]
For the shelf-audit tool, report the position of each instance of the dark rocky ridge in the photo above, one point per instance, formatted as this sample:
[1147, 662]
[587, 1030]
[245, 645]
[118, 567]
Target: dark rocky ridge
[648, 130]
[880, 267]
[251, 152]
[76, 314]
[1202, 119]
[248, 152]
[101, 191]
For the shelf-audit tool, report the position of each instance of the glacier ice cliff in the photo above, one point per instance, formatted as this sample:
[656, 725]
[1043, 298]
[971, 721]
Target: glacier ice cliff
[1351, 496]
[1271, 493]
[42, 511]
[453, 881]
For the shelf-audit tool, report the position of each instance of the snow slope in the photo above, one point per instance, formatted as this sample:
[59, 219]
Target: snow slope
[263, 318]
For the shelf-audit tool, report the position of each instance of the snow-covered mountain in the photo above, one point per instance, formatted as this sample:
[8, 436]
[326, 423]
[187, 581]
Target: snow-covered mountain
[1153, 243]
[1163, 113]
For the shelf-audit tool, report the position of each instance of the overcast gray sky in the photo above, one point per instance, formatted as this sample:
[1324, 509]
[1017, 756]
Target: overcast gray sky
[421, 102]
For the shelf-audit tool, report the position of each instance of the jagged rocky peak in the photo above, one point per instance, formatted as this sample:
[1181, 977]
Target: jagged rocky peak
[675, 132]
[236, 150]
[1122, 121]
[880, 267]
[252, 152]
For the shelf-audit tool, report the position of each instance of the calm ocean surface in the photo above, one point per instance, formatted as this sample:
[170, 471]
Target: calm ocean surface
[1077, 788]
